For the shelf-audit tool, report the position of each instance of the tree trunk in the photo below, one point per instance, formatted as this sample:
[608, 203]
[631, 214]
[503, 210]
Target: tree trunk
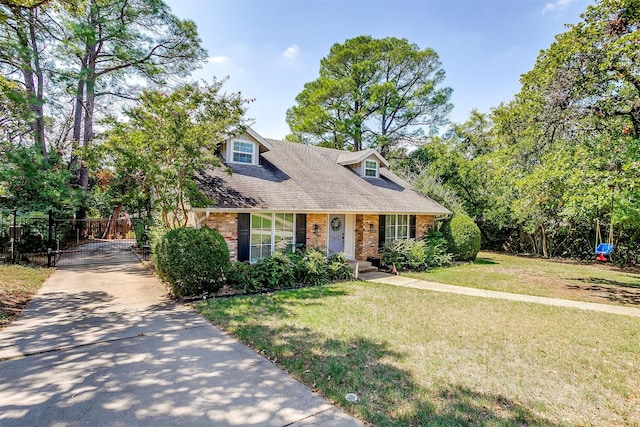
[543, 237]
[77, 125]
[635, 119]
[90, 101]
[33, 78]
[39, 90]
[108, 233]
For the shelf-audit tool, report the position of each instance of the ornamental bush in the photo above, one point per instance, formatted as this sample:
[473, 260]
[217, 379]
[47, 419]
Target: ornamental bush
[416, 255]
[241, 277]
[277, 271]
[463, 237]
[193, 261]
[285, 269]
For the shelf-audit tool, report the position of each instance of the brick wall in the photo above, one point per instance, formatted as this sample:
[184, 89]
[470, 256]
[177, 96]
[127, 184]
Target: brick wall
[227, 225]
[424, 223]
[319, 239]
[366, 236]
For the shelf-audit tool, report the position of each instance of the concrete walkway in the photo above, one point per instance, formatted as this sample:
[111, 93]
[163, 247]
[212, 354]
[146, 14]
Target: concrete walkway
[390, 279]
[104, 346]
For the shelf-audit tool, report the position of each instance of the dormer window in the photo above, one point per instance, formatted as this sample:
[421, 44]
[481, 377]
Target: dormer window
[371, 168]
[243, 152]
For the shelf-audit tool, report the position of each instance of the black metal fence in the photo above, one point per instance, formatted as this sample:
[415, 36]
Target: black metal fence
[47, 241]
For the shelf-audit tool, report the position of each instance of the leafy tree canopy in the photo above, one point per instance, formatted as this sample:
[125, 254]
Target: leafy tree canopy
[166, 140]
[371, 93]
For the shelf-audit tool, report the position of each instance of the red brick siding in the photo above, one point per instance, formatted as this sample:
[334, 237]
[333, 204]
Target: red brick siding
[366, 236]
[319, 239]
[227, 225]
[424, 223]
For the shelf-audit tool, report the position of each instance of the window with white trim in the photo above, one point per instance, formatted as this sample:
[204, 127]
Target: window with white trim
[371, 168]
[243, 152]
[270, 232]
[396, 227]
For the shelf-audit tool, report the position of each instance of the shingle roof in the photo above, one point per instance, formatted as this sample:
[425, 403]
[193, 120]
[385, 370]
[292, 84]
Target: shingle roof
[295, 177]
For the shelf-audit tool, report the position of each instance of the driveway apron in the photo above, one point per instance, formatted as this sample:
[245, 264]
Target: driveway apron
[103, 345]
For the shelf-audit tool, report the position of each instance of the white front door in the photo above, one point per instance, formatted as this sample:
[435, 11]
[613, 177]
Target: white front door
[336, 233]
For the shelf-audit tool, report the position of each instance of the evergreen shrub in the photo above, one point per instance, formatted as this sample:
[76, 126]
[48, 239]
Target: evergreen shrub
[193, 261]
[463, 237]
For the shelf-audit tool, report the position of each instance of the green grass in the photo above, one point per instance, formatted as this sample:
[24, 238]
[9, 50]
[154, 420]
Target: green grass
[416, 357]
[570, 280]
[17, 286]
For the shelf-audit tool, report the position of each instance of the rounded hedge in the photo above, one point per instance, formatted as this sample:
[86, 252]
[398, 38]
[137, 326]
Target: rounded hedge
[193, 261]
[463, 237]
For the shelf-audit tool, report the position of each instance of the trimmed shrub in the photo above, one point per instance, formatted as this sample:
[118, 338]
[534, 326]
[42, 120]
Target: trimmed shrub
[463, 237]
[193, 261]
[416, 255]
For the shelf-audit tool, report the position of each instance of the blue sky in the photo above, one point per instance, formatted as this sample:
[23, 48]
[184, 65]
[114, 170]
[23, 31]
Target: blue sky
[271, 48]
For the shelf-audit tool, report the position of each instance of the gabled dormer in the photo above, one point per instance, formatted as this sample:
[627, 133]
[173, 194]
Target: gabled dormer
[366, 163]
[244, 149]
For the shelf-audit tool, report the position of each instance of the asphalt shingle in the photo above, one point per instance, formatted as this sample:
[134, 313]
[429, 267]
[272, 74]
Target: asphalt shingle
[296, 177]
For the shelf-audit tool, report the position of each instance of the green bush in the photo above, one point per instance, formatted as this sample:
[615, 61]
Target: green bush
[284, 270]
[277, 271]
[339, 268]
[416, 255]
[193, 261]
[241, 277]
[463, 237]
[312, 268]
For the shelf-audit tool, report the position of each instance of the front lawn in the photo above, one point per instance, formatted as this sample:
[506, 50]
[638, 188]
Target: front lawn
[416, 357]
[530, 276]
[17, 286]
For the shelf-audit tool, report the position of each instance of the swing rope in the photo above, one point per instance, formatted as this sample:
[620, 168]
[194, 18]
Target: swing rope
[603, 248]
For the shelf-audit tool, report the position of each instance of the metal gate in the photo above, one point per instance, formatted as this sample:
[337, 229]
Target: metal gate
[47, 241]
[92, 241]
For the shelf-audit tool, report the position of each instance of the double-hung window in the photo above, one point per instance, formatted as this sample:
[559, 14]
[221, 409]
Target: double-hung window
[371, 168]
[396, 227]
[270, 232]
[243, 152]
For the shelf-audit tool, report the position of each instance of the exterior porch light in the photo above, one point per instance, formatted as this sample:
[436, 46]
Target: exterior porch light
[316, 229]
[371, 227]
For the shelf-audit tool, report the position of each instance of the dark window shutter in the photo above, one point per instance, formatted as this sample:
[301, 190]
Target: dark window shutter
[301, 230]
[244, 236]
[381, 223]
[412, 226]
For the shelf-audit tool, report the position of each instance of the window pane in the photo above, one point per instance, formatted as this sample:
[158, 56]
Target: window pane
[402, 232]
[242, 158]
[390, 220]
[244, 147]
[402, 220]
[370, 168]
[242, 152]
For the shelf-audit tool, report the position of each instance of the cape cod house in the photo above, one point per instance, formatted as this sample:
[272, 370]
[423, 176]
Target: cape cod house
[275, 194]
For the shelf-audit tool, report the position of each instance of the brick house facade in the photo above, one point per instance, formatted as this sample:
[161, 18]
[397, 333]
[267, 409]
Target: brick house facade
[276, 194]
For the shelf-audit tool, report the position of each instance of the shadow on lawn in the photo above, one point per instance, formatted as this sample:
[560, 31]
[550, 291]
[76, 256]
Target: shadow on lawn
[623, 292]
[387, 395]
[244, 308]
[485, 261]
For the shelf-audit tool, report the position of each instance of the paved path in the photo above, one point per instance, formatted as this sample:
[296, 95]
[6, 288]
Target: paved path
[103, 345]
[390, 279]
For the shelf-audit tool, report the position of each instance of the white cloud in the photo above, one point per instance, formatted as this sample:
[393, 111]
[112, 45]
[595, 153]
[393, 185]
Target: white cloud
[218, 59]
[556, 6]
[291, 53]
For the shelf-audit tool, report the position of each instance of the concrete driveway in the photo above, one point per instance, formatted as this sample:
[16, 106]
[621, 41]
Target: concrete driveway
[103, 345]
